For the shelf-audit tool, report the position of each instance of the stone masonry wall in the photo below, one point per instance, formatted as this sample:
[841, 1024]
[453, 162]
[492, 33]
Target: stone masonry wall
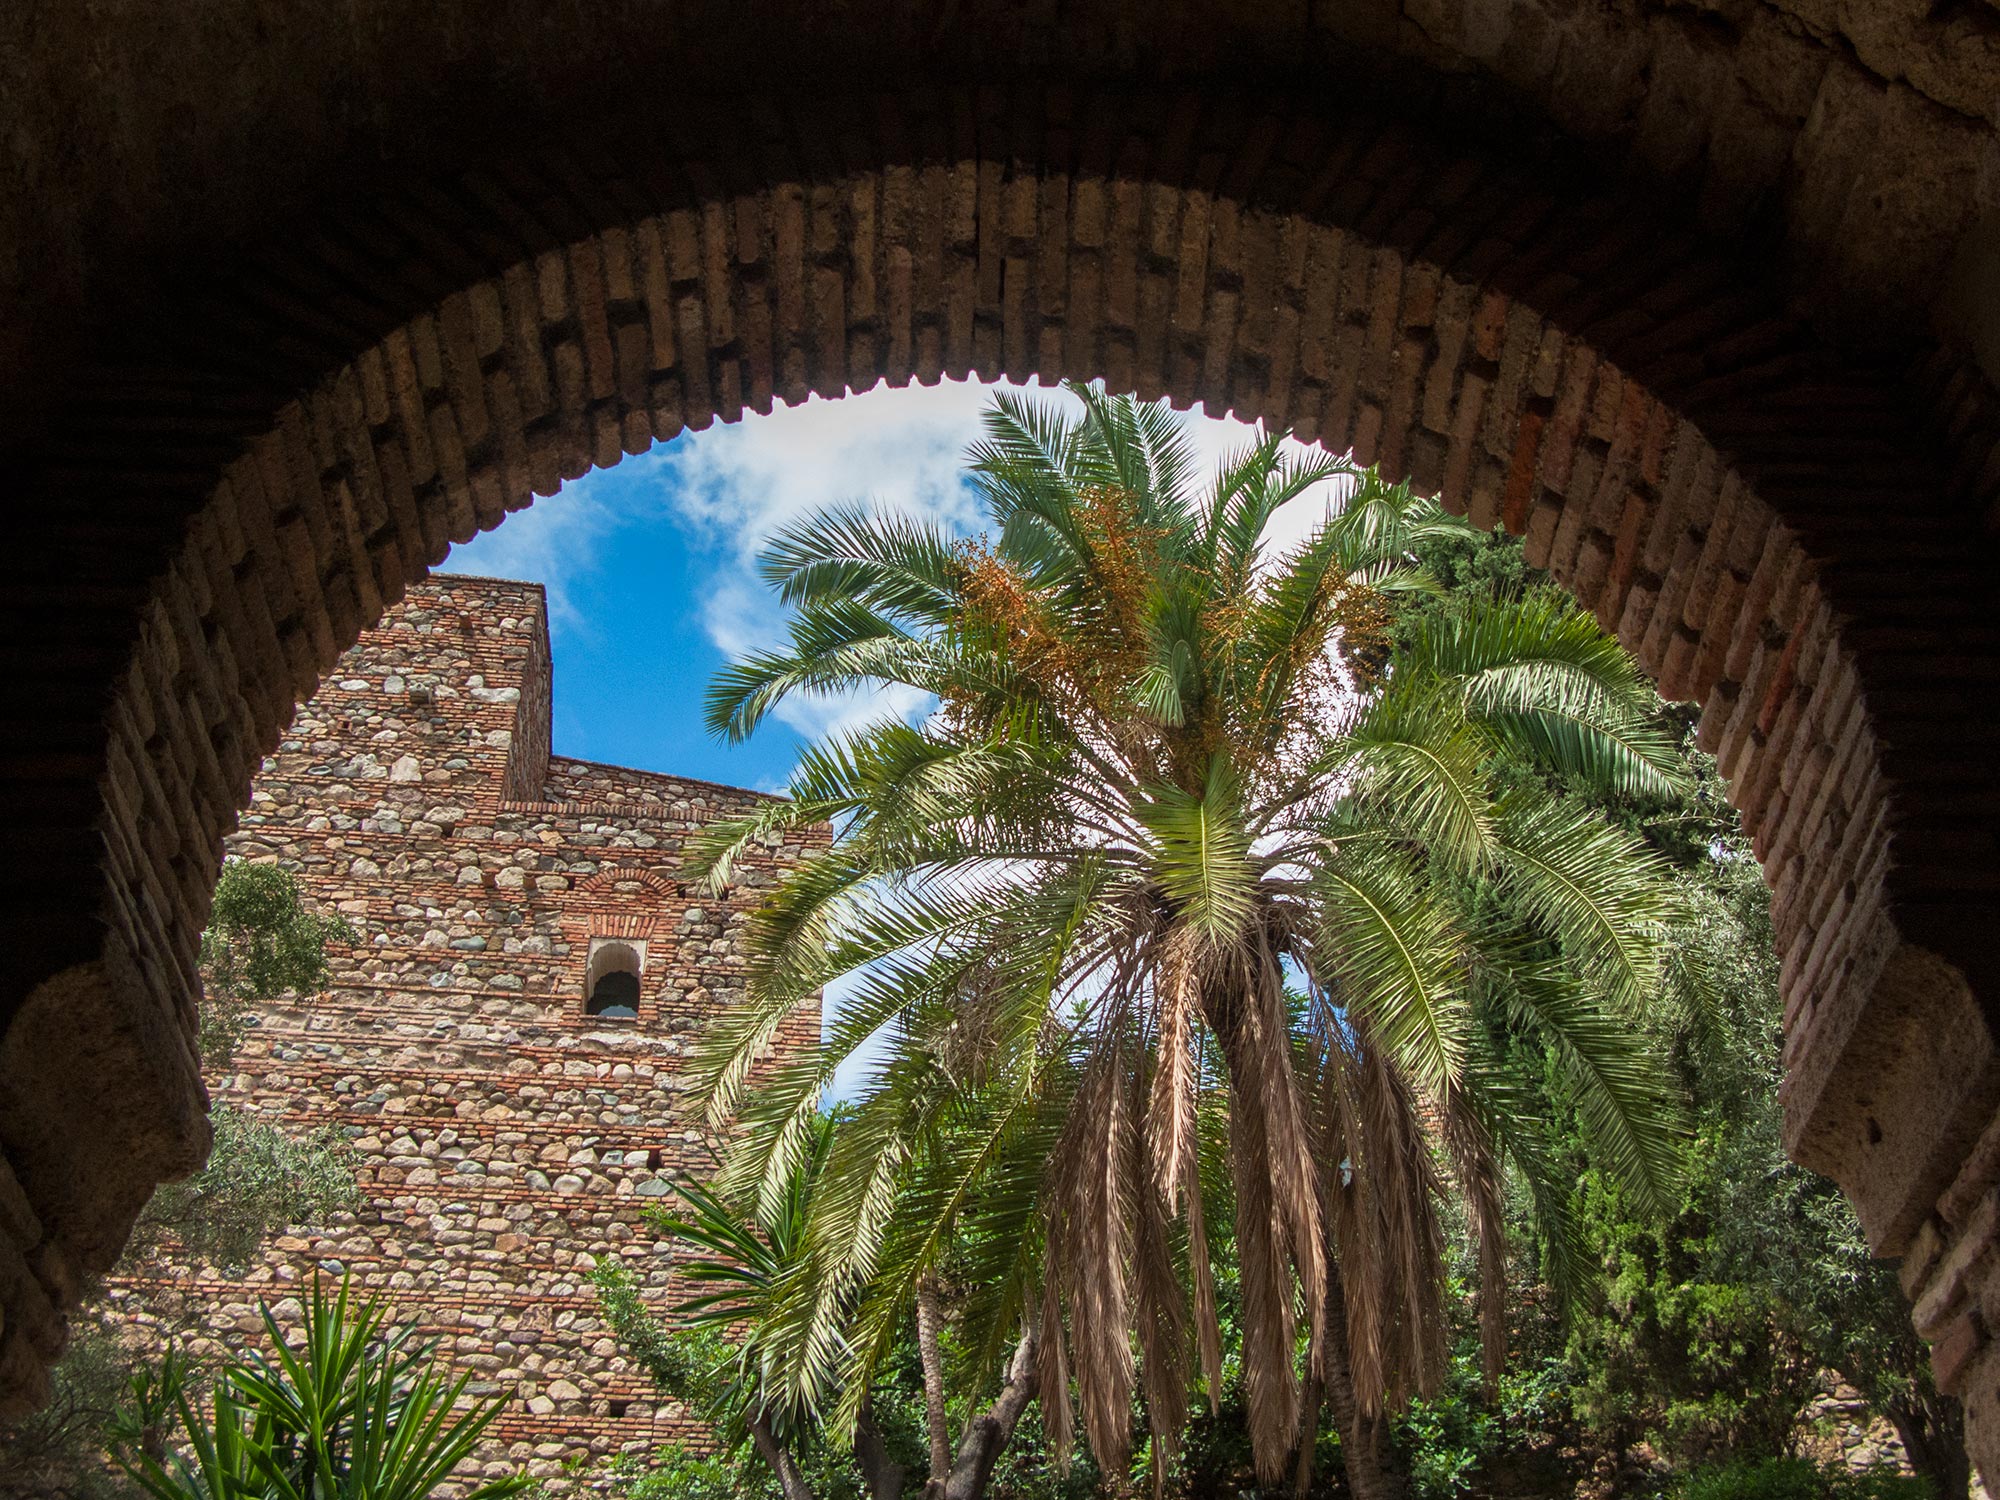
[505, 1140]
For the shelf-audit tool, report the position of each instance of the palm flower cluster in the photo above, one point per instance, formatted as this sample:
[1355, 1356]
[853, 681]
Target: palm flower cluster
[1192, 907]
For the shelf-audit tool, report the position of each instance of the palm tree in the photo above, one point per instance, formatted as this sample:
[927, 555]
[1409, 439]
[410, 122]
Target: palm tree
[1169, 778]
[743, 1263]
[354, 1412]
[740, 1261]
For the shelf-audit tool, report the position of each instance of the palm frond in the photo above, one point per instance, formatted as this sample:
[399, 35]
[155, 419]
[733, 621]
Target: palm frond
[1399, 961]
[1625, 1097]
[1419, 771]
[899, 566]
[1200, 854]
[1596, 888]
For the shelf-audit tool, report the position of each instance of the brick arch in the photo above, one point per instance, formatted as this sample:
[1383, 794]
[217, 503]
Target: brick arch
[1544, 352]
[606, 883]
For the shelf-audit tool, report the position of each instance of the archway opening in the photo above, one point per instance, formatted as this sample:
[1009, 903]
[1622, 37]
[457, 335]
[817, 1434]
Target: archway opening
[1507, 391]
[614, 964]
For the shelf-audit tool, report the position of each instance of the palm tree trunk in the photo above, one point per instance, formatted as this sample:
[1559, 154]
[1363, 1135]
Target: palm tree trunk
[933, 1362]
[987, 1438]
[1371, 1475]
[883, 1475]
[791, 1480]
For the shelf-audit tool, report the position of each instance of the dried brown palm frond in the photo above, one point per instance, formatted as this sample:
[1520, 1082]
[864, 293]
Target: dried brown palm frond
[1170, 1111]
[1052, 1371]
[1323, 1103]
[1384, 1227]
[1270, 1328]
[1411, 1190]
[1208, 1327]
[1352, 1229]
[1090, 1250]
[1278, 1227]
[1274, 1089]
[1407, 1190]
[1160, 1307]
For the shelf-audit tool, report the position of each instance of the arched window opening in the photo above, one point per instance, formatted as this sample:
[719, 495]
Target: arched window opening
[611, 983]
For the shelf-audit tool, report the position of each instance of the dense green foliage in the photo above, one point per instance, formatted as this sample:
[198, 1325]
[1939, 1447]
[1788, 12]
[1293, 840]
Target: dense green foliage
[1715, 1325]
[1795, 1479]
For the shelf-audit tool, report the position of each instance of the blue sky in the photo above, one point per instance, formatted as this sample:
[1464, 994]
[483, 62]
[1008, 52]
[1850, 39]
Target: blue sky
[650, 568]
[650, 565]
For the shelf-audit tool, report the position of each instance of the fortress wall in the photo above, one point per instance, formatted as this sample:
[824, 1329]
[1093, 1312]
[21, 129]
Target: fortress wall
[504, 1137]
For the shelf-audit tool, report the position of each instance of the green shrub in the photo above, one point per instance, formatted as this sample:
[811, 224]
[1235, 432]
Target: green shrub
[1797, 1479]
[676, 1472]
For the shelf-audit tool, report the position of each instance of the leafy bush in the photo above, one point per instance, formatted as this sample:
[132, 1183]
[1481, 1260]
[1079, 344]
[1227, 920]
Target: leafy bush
[258, 1178]
[262, 942]
[676, 1472]
[1797, 1479]
[1449, 1441]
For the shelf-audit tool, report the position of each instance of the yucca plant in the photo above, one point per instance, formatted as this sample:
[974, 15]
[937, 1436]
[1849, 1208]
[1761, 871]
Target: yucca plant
[353, 1411]
[1175, 776]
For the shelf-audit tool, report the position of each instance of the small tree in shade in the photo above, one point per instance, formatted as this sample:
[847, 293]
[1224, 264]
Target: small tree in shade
[262, 942]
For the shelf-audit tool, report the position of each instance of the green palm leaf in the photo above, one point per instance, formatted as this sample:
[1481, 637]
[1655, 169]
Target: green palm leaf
[1201, 854]
[1397, 957]
[1595, 888]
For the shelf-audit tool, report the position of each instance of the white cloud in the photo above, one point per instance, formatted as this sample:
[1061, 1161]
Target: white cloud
[555, 542]
[895, 449]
